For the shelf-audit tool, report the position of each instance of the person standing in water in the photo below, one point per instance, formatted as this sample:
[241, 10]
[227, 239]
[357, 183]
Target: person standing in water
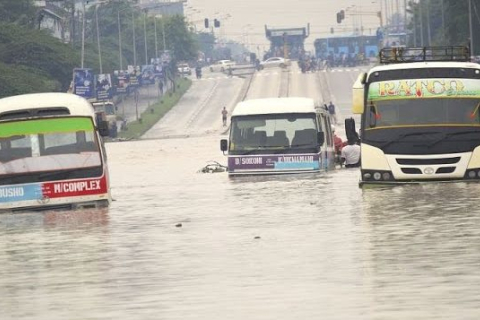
[224, 116]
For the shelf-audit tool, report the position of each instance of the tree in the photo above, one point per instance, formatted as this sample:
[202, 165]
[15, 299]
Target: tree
[20, 12]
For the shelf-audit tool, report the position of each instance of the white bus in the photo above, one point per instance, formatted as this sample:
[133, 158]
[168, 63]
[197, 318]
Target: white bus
[420, 120]
[51, 154]
[279, 135]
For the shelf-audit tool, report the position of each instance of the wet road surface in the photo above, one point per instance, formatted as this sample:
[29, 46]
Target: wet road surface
[177, 244]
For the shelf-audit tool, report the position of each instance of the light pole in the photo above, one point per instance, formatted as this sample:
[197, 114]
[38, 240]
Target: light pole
[145, 35]
[83, 33]
[421, 24]
[470, 26]
[98, 40]
[134, 41]
[156, 45]
[120, 42]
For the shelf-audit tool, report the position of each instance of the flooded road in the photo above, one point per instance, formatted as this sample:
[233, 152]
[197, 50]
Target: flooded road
[177, 244]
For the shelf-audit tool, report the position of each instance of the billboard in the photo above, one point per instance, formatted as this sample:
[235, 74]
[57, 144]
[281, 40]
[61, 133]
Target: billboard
[121, 80]
[83, 82]
[134, 74]
[104, 86]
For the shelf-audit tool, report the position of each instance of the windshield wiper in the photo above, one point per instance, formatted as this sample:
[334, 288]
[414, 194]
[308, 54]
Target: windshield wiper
[451, 134]
[408, 134]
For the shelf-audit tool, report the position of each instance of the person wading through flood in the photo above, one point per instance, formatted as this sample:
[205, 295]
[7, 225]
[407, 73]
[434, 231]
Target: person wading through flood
[350, 154]
[224, 116]
[331, 111]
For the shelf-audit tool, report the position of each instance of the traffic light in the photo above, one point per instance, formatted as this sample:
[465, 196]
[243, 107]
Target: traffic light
[216, 23]
[340, 16]
[331, 30]
[206, 23]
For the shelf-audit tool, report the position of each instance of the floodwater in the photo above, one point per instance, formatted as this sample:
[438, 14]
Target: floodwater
[279, 247]
[177, 244]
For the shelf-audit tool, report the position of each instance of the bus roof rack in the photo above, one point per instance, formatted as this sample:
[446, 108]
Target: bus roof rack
[405, 54]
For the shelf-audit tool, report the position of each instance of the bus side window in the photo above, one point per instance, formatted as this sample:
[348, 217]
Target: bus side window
[329, 132]
[323, 122]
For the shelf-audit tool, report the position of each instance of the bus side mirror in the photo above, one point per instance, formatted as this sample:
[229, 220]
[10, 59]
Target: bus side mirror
[358, 94]
[320, 138]
[102, 127]
[350, 130]
[224, 145]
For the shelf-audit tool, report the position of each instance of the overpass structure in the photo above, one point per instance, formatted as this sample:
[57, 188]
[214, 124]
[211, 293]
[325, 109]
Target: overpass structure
[287, 42]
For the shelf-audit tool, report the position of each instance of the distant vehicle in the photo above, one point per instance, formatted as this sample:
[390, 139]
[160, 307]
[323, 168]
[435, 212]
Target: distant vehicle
[274, 62]
[107, 111]
[279, 135]
[51, 154]
[184, 69]
[222, 65]
[420, 117]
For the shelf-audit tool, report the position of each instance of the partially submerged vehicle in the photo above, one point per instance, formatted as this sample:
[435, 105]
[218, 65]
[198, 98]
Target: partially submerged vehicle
[279, 135]
[51, 154]
[106, 111]
[420, 119]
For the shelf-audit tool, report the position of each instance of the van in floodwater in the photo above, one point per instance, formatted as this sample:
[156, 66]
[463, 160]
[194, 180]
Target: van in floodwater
[279, 135]
[51, 154]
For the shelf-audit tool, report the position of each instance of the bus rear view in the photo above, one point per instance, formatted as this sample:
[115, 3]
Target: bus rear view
[279, 135]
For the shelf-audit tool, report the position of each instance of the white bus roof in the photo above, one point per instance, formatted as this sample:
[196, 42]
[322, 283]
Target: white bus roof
[421, 65]
[274, 106]
[76, 105]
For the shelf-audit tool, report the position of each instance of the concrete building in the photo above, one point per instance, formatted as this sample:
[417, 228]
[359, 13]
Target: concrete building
[52, 17]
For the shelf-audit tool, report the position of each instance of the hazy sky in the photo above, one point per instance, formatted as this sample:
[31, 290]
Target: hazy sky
[252, 15]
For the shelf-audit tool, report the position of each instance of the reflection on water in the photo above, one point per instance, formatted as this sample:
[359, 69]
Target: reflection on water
[266, 247]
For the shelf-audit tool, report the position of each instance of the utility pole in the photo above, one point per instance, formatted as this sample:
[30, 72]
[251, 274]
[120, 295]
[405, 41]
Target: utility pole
[470, 26]
[83, 34]
[134, 42]
[444, 34]
[98, 40]
[429, 34]
[156, 45]
[120, 42]
[421, 24]
[145, 34]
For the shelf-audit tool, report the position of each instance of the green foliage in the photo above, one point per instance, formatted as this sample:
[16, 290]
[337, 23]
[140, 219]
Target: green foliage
[16, 80]
[455, 29]
[20, 12]
[33, 61]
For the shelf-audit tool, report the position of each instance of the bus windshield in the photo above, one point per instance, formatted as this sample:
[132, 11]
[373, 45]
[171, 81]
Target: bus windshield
[273, 133]
[423, 112]
[32, 146]
[423, 102]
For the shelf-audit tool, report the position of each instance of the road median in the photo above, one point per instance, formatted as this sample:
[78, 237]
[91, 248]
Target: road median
[149, 117]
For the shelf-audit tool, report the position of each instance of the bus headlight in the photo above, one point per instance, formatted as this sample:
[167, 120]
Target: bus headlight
[377, 175]
[472, 174]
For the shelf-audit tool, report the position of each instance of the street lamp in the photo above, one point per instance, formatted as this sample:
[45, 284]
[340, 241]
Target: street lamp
[83, 33]
[98, 39]
[145, 34]
[470, 26]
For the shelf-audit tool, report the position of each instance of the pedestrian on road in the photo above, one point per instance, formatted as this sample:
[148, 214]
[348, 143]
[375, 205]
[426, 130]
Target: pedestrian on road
[224, 116]
[332, 112]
